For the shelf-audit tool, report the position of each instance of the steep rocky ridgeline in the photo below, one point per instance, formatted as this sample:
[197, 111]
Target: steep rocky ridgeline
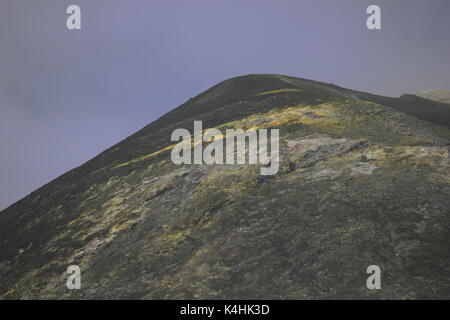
[363, 180]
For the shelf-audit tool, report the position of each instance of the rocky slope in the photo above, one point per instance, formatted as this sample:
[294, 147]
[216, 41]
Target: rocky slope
[364, 180]
[436, 95]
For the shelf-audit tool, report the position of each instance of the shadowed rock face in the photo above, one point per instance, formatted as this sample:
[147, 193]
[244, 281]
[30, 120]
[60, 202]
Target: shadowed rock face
[363, 180]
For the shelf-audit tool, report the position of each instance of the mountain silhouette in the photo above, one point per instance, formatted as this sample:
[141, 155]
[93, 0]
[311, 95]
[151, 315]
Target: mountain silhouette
[363, 180]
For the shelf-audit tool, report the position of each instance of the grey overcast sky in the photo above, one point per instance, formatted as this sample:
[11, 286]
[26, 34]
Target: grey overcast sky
[67, 95]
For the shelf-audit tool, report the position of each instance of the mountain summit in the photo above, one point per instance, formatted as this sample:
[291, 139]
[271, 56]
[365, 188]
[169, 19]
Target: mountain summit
[364, 180]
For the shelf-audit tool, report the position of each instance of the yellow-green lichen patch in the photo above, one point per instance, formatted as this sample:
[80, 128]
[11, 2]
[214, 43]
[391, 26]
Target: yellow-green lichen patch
[279, 91]
[148, 156]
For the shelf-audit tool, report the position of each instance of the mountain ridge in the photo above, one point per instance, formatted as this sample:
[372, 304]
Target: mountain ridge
[437, 107]
[436, 95]
[98, 214]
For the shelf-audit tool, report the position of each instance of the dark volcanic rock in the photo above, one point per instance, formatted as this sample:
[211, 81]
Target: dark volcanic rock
[363, 180]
